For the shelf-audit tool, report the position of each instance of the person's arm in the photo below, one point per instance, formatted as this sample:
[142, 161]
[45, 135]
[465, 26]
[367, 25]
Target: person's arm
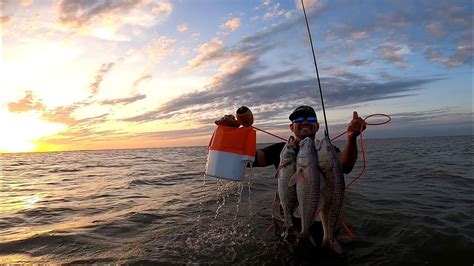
[270, 155]
[228, 120]
[349, 156]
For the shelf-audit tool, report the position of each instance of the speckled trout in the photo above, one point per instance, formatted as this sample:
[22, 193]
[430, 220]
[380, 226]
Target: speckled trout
[333, 192]
[307, 180]
[285, 171]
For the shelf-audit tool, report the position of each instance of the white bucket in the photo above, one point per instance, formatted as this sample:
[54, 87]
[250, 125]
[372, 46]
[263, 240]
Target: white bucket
[227, 165]
[230, 150]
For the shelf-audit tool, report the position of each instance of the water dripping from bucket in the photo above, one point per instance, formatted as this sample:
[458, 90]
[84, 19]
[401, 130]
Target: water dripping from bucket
[201, 200]
[249, 200]
[239, 200]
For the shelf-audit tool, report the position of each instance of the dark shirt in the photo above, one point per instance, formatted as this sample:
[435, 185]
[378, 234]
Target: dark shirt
[272, 154]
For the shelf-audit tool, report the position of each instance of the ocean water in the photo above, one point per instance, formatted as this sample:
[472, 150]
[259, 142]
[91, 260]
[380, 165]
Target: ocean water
[413, 206]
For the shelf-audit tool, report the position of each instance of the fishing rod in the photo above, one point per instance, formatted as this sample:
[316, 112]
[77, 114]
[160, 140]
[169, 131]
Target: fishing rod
[317, 72]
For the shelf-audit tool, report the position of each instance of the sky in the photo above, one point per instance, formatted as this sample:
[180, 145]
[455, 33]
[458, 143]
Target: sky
[81, 75]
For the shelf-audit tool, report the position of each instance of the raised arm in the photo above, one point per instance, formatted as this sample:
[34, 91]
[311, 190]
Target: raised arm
[349, 156]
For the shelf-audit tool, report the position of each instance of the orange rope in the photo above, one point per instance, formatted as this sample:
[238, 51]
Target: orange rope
[362, 146]
[269, 133]
[348, 230]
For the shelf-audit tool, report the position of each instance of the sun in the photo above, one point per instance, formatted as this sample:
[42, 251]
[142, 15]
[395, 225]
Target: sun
[20, 131]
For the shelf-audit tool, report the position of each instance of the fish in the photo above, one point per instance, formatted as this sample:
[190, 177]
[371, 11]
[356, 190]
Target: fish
[333, 192]
[286, 193]
[307, 180]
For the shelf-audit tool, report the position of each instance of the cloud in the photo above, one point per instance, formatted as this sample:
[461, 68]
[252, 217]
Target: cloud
[394, 53]
[436, 29]
[82, 135]
[112, 20]
[159, 48]
[27, 3]
[162, 9]
[265, 35]
[79, 13]
[61, 115]
[444, 115]
[391, 19]
[462, 55]
[207, 52]
[7, 19]
[140, 80]
[94, 87]
[343, 73]
[359, 62]
[182, 27]
[124, 101]
[28, 103]
[359, 35]
[232, 24]
[274, 12]
[310, 6]
[246, 86]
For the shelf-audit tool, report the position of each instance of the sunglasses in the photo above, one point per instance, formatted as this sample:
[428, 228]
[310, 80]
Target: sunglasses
[311, 119]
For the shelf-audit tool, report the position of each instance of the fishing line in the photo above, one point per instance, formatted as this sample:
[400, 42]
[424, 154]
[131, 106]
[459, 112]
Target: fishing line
[317, 72]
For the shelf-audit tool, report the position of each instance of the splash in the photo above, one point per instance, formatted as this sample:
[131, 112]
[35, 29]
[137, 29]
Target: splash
[227, 230]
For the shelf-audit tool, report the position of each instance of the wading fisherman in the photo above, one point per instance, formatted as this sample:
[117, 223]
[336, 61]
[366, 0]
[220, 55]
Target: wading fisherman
[304, 123]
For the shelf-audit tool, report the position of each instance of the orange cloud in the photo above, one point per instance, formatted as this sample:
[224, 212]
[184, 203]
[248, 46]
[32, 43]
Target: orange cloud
[159, 48]
[207, 51]
[26, 3]
[6, 19]
[232, 24]
[60, 115]
[28, 103]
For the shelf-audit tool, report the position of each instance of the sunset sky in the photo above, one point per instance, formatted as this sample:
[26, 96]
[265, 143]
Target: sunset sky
[80, 74]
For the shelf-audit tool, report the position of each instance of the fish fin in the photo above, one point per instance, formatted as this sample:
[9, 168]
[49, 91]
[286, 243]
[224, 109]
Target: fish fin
[296, 213]
[276, 208]
[278, 170]
[320, 207]
[335, 246]
[293, 178]
[318, 218]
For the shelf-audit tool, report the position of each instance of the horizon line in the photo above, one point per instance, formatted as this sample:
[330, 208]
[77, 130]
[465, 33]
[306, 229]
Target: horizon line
[197, 146]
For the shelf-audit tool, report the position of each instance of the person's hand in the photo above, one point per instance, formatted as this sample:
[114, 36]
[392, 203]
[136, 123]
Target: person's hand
[355, 126]
[228, 120]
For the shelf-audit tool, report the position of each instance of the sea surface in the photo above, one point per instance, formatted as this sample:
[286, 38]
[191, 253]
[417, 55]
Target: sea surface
[413, 206]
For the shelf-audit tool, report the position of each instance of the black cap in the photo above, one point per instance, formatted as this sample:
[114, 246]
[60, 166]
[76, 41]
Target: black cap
[304, 111]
